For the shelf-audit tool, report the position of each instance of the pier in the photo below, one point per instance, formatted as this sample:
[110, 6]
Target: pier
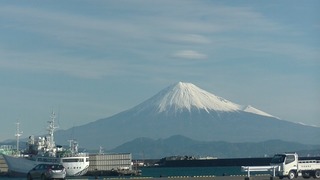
[3, 166]
[255, 177]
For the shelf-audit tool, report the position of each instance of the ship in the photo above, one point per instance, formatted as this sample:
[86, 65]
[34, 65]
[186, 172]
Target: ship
[191, 161]
[44, 150]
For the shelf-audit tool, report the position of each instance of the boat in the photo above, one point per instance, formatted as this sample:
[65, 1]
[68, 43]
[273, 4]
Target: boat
[44, 150]
[191, 161]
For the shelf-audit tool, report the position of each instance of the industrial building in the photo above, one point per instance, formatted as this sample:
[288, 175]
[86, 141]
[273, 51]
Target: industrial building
[108, 162]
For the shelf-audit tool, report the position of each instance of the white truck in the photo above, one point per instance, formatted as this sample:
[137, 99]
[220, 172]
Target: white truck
[291, 167]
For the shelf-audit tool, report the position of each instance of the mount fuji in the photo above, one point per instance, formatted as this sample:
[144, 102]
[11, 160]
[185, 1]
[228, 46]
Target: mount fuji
[184, 109]
[181, 97]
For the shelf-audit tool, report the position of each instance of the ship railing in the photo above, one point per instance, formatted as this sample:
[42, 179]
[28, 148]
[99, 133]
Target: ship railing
[75, 155]
[82, 154]
[7, 147]
[249, 169]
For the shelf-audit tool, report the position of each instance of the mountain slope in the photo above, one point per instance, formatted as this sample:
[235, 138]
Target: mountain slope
[184, 109]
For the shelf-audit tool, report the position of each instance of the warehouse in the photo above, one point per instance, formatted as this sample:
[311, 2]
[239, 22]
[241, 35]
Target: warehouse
[119, 164]
[108, 162]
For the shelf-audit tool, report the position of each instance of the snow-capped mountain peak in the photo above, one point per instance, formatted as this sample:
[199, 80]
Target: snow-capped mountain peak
[181, 96]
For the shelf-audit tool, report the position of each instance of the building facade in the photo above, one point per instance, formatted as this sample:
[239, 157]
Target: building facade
[109, 162]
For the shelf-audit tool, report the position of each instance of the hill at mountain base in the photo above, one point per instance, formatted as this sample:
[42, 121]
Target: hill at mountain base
[146, 148]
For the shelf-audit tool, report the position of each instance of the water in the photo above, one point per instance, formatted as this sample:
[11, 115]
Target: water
[190, 171]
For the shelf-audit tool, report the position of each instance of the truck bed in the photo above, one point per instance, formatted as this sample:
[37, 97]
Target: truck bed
[309, 164]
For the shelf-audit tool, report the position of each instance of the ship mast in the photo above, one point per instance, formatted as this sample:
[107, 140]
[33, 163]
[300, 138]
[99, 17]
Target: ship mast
[18, 134]
[51, 129]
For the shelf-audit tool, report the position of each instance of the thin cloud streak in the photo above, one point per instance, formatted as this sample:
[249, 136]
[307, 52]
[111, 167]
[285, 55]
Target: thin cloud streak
[189, 54]
[81, 68]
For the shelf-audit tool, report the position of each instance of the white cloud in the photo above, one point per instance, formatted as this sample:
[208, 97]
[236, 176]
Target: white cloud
[189, 54]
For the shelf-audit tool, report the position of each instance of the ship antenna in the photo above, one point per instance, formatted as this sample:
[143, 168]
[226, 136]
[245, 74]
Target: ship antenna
[101, 150]
[18, 134]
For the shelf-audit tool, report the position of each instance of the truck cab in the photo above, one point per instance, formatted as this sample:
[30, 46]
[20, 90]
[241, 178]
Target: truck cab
[287, 163]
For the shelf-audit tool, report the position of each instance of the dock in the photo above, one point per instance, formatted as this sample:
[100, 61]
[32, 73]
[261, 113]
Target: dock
[255, 177]
[3, 166]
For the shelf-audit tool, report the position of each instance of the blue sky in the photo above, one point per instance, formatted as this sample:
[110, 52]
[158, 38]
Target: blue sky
[92, 59]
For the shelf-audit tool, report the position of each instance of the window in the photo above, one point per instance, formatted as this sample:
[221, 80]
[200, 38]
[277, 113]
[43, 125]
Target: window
[71, 160]
[290, 159]
[38, 167]
[278, 159]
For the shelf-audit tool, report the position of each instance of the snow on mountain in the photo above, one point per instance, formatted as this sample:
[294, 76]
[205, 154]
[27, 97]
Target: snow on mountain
[304, 124]
[253, 110]
[186, 96]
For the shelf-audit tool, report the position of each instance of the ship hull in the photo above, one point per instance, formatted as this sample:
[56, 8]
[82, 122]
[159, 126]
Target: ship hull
[217, 162]
[20, 166]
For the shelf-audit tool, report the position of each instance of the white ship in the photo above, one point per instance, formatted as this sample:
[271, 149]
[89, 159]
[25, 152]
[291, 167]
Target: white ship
[44, 150]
